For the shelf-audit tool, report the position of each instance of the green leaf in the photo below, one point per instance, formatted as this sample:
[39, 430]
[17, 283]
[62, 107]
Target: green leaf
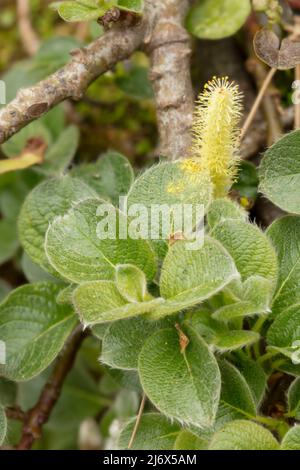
[294, 399]
[190, 276]
[34, 329]
[111, 176]
[33, 272]
[247, 182]
[131, 282]
[169, 184]
[182, 385]
[65, 296]
[135, 83]
[124, 339]
[3, 425]
[15, 145]
[254, 375]
[186, 440]
[284, 235]
[131, 5]
[256, 294]
[280, 173]
[291, 440]
[61, 153]
[223, 209]
[250, 248]
[80, 10]
[155, 433]
[217, 19]
[4, 289]
[235, 391]
[243, 435]
[286, 328]
[100, 302]
[76, 251]
[235, 339]
[8, 392]
[9, 242]
[47, 201]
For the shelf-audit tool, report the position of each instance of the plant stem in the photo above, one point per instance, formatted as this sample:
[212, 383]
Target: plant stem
[257, 102]
[138, 419]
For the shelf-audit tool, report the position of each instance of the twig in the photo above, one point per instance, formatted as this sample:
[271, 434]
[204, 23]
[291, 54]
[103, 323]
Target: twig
[170, 51]
[40, 413]
[162, 33]
[30, 40]
[71, 80]
[257, 102]
[15, 412]
[258, 70]
[137, 422]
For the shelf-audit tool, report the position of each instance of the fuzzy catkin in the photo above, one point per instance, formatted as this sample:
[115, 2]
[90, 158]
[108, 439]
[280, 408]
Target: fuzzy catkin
[216, 133]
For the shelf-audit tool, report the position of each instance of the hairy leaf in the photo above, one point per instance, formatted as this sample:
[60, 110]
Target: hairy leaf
[291, 440]
[78, 253]
[47, 201]
[284, 235]
[100, 302]
[217, 19]
[34, 329]
[190, 276]
[250, 248]
[183, 384]
[155, 432]
[111, 176]
[243, 435]
[280, 173]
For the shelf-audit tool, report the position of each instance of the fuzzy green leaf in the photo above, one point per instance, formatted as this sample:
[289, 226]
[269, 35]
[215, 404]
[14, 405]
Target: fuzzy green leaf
[61, 153]
[235, 339]
[217, 19]
[254, 375]
[76, 251]
[223, 209]
[100, 302]
[123, 341]
[294, 399]
[3, 425]
[80, 10]
[110, 176]
[280, 173]
[256, 294]
[183, 385]
[250, 248]
[286, 328]
[243, 435]
[34, 329]
[155, 433]
[47, 201]
[291, 440]
[284, 235]
[190, 276]
[131, 282]
[186, 440]
[235, 391]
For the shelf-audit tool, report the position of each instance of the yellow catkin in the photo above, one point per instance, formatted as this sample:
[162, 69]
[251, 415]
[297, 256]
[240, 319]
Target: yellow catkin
[216, 133]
